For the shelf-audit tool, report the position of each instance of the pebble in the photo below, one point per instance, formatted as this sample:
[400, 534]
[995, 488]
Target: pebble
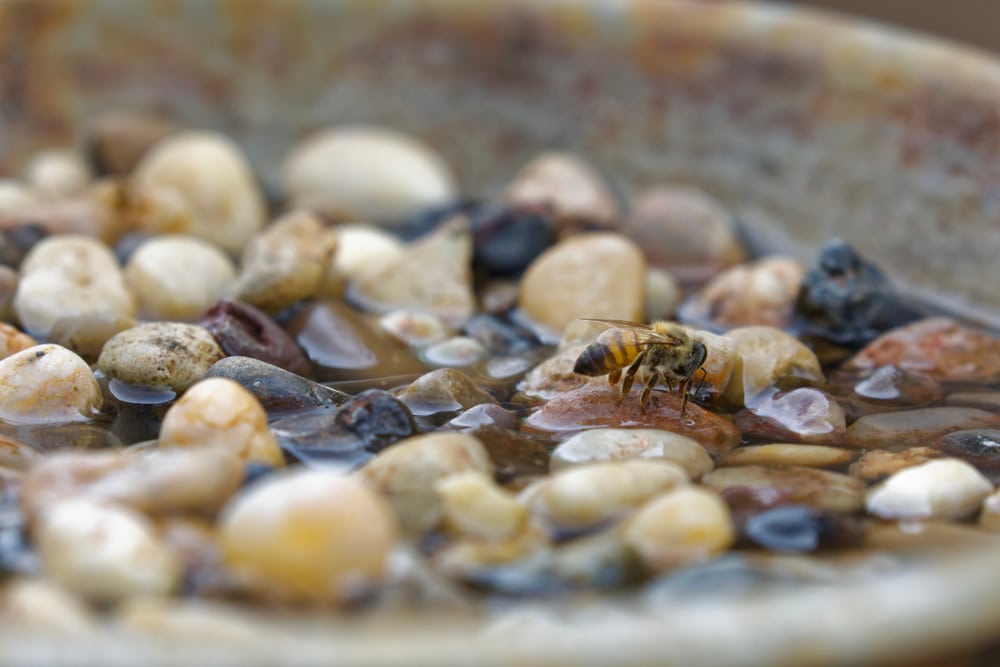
[800, 529]
[899, 387]
[210, 623]
[500, 335]
[277, 390]
[847, 299]
[876, 464]
[586, 496]
[16, 199]
[13, 340]
[576, 193]
[158, 482]
[986, 400]
[922, 426]
[663, 294]
[989, 516]
[939, 347]
[474, 506]
[759, 293]
[16, 455]
[596, 405]
[41, 607]
[243, 331]
[286, 262]
[47, 384]
[980, 447]
[361, 250]
[787, 454]
[102, 552]
[160, 354]
[310, 536]
[407, 471]
[367, 173]
[805, 415]
[485, 414]
[198, 183]
[514, 454]
[176, 277]
[433, 274]
[57, 173]
[768, 357]
[455, 351]
[684, 526]
[8, 288]
[414, 328]
[443, 390]
[684, 229]
[940, 489]
[588, 275]
[344, 345]
[617, 444]
[555, 375]
[117, 140]
[219, 412]
[507, 238]
[821, 489]
[69, 275]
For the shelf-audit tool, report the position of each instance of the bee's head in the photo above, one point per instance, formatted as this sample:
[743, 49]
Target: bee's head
[698, 355]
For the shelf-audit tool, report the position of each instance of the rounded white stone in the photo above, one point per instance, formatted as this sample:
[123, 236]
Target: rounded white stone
[47, 384]
[938, 489]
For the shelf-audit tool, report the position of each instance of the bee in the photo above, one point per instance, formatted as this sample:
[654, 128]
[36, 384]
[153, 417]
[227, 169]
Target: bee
[658, 353]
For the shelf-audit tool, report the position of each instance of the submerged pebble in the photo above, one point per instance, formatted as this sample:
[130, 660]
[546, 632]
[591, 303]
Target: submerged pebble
[277, 390]
[242, 330]
[805, 415]
[915, 427]
[443, 390]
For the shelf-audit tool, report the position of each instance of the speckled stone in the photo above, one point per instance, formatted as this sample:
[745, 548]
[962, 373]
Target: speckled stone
[160, 354]
[821, 489]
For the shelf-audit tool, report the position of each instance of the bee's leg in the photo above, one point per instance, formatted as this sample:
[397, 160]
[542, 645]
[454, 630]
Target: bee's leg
[650, 382]
[685, 386]
[630, 377]
[614, 376]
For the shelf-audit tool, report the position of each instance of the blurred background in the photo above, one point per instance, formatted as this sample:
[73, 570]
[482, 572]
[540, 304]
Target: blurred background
[975, 22]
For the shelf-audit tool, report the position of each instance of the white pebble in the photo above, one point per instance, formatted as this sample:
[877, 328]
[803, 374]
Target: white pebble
[178, 277]
[617, 444]
[938, 489]
[58, 173]
[104, 553]
[47, 384]
[41, 606]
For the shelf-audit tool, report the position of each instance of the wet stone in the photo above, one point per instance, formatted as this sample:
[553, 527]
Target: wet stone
[242, 330]
[879, 463]
[138, 410]
[377, 418]
[821, 489]
[56, 437]
[160, 354]
[507, 238]
[980, 447]
[597, 405]
[614, 444]
[87, 333]
[414, 328]
[485, 414]
[939, 347]
[846, 299]
[989, 517]
[939, 489]
[898, 387]
[800, 529]
[277, 390]
[768, 357]
[514, 454]
[555, 375]
[455, 351]
[787, 454]
[499, 335]
[47, 384]
[986, 400]
[802, 415]
[922, 426]
[443, 390]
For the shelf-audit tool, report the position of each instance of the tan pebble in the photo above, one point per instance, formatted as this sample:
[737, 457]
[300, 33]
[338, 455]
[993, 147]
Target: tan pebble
[940, 489]
[455, 351]
[223, 626]
[219, 412]
[307, 535]
[443, 390]
[759, 293]
[198, 183]
[788, 454]
[117, 140]
[989, 517]
[663, 294]
[160, 354]
[878, 463]
[69, 275]
[407, 471]
[41, 606]
[821, 489]
[47, 384]
[103, 552]
[474, 506]
[13, 340]
[361, 250]
[765, 356]
[433, 275]
[611, 267]
[721, 362]
[473, 556]
[684, 526]
[616, 444]
[87, 333]
[367, 173]
[575, 191]
[57, 173]
[587, 495]
[555, 375]
[915, 427]
[414, 328]
[177, 277]
[16, 198]
[286, 262]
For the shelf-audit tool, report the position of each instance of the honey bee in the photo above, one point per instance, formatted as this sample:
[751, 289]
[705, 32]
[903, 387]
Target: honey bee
[658, 353]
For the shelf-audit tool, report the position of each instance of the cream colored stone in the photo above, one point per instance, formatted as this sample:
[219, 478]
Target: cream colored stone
[40, 606]
[160, 354]
[617, 444]
[573, 188]
[788, 454]
[57, 173]
[939, 489]
[47, 384]
[766, 355]
[474, 506]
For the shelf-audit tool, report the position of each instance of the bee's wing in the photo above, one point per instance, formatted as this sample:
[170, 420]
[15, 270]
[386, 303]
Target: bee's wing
[621, 324]
[644, 334]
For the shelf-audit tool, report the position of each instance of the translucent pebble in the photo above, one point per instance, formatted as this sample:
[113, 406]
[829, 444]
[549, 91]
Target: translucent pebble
[455, 351]
[307, 535]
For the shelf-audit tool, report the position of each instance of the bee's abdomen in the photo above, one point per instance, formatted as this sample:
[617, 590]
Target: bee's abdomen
[599, 359]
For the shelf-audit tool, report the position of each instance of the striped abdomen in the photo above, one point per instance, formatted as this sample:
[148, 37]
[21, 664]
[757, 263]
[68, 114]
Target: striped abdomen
[613, 349]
